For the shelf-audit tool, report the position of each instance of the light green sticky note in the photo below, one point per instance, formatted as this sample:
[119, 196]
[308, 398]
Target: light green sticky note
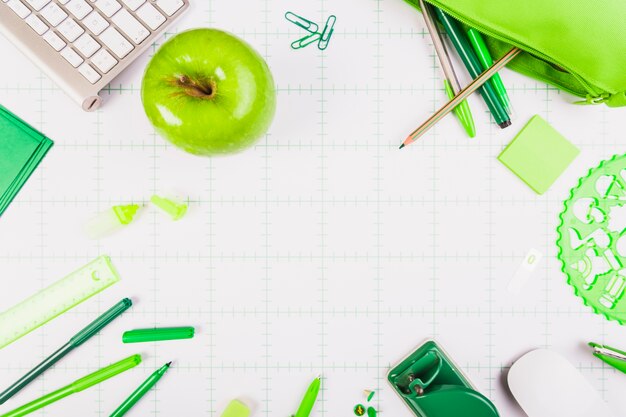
[236, 409]
[538, 155]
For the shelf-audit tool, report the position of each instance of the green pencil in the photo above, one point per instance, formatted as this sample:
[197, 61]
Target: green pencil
[141, 391]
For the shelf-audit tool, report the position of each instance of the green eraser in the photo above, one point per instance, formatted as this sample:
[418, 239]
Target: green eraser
[236, 409]
[538, 155]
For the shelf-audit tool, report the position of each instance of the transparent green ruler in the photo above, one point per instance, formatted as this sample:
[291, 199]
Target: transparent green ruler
[56, 299]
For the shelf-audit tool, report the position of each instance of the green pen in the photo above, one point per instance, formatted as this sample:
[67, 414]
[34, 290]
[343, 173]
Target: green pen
[158, 334]
[451, 81]
[309, 399]
[77, 386]
[469, 58]
[485, 59]
[141, 391]
[80, 338]
[615, 358]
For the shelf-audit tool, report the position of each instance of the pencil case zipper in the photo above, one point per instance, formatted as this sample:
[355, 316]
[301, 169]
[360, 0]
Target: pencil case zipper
[592, 95]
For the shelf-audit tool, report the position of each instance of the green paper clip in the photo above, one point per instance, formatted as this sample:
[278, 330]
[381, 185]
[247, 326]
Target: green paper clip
[175, 209]
[158, 334]
[329, 29]
[300, 21]
[306, 41]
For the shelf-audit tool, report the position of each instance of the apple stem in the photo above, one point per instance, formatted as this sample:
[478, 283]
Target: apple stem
[205, 90]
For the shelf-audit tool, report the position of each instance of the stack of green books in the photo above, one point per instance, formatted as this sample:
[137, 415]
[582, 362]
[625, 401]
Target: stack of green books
[21, 149]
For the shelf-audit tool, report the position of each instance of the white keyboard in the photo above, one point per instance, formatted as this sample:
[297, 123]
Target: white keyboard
[84, 44]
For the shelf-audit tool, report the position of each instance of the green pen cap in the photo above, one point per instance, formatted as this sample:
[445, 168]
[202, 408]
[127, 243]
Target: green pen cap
[158, 334]
[175, 209]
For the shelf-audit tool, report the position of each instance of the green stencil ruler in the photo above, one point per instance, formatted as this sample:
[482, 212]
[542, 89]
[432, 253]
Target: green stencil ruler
[56, 299]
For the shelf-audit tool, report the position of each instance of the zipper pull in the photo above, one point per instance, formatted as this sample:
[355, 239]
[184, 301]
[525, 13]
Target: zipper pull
[594, 99]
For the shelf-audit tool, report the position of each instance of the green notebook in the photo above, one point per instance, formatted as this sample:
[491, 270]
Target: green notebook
[21, 150]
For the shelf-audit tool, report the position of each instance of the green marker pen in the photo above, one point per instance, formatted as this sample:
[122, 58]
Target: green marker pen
[77, 386]
[485, 59]
[469, 58]
[309, 399]
[80, 338]
[141, 391]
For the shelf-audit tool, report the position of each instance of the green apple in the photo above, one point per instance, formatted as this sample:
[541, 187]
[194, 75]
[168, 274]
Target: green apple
[209, 92]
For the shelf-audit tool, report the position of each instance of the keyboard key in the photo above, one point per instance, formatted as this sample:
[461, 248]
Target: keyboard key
[116, 42]
[37, 4]
[53, 14]
[103, 60]
[18, 7]
[72, 57]
[54, 40]
[88, 72]
[108, 7]
[70, 29]
[170, 6]
[37, 24]
[96, 23]
[63, 1]
[150, 16]
[130, 26]
[86, 45]
[133, 4]
[79, 8]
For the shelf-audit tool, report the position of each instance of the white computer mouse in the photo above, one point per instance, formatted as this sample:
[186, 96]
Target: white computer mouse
[545, 384]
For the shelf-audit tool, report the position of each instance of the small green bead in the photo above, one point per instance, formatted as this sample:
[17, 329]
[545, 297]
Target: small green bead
[359, 410]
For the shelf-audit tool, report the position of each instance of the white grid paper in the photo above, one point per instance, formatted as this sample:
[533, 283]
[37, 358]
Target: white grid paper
[323, 250]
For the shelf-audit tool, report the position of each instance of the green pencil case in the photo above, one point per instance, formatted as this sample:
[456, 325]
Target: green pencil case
[577, 46]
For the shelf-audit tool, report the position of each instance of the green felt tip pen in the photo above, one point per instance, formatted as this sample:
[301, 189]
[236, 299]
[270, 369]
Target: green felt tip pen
[486, 61]
[141, 391]
[77, 386]
[611, 356]
[309, 399]
[469, 58]
[80, 338]
[154, 335]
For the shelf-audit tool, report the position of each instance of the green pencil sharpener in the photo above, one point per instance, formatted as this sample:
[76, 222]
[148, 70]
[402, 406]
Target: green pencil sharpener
[432, 385]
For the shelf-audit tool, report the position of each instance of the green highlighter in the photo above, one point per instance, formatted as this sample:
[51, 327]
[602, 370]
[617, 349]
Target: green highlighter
[77, 386]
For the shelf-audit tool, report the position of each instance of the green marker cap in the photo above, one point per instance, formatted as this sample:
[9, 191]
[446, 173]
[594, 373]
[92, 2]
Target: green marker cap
[126, 214]
[157, 334]
[175, 209]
